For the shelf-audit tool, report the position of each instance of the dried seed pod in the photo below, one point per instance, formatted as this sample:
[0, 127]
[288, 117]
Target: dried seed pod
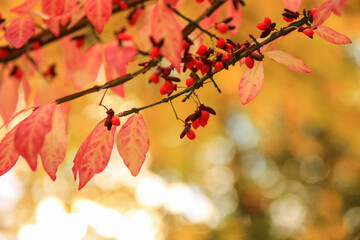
[265, 33]
[196, 115]
[256, 56]
[208, 109]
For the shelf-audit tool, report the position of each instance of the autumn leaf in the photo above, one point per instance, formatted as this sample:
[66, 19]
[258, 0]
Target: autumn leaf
[236, 15]
[98, 12]
[19, 31]
[53, 8]
[322, 14]
[54, 147]
[338, 6]
[165, 26]
[120, 56]
[290, 61]
[9, 89]
[30, 136]
[8, 154]
[94, 153]
[292, 5]
[251, 82]
[133, 143]
[70, 7]
[332, 36]
[25, 7]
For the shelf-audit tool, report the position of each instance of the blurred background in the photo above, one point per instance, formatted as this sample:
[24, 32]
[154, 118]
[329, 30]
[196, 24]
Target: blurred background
[285, 166]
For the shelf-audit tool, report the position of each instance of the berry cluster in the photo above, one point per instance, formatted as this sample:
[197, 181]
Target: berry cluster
[111, 119]
[199, 118]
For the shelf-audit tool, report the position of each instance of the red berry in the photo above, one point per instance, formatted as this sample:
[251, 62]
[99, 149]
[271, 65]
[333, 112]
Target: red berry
[190, 82]
[135, 16]
[18, 73]
[122, 5]
[205, 69]
[185, 44]
[167, 87]
[124, 36]
[313, 11]
[196, 124]
[308, 32]
[155, 52]
[191, 134]
[199, 64]
[36, 45]
[220, 43]
[80, 42]
[222, 27]
[262, 26]
[267, 21]
[288, 19]
[115, 120]
[3, 52]
[218, 65]
[249, 61]
[202, 49]
[199, 1]
[115, 1]
[227, 58]
[230, 48]
[204, 118]
[190, 63]
[155, 78]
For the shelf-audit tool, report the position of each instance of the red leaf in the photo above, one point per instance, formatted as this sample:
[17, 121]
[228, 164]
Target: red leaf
[323, 13]
[133, 143]
[53, 8]
[165, 26]
[24, 7]
[212, 19]
[251, 82]
[236, 14]
[332, 36]
[9, 96]
[338, 6]
[171, 2]
[19, 31]
[69, 8]
[119, 57]
[8, 155]
[94, 153]
[290, 61]
[98, 12]
[292, 5]
[53, 150]
[29, 137]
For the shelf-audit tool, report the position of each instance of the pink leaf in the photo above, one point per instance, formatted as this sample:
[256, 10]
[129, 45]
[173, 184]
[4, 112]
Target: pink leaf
[24, 7]
[332, 36]
[236, 14]
[53, 150]
[8, 154]
[9, 96]
[53, 8]
[19, 31]
[251, 82]
[29, 137]
[322, 14]
[292, 5]
[70, 7]
[133, 143]
[290, 61]
[98, 12]
[165, 26]
[94, 153]
[338, 6]
[212, 19]
[110, 74]
[119, 57]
